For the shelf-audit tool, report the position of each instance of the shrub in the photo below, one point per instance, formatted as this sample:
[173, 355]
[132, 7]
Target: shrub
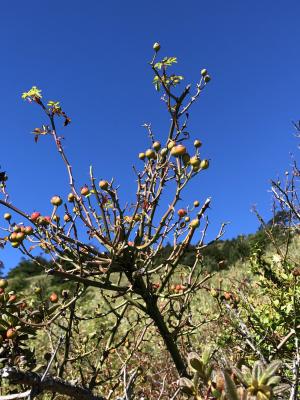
[133, 300]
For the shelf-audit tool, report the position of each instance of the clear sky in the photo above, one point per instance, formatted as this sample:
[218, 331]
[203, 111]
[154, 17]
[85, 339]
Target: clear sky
[92, 56]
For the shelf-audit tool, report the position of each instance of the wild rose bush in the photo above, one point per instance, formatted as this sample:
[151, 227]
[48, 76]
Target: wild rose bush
[142, 299]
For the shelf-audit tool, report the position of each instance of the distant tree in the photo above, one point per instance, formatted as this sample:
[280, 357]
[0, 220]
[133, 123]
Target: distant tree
[27, 268]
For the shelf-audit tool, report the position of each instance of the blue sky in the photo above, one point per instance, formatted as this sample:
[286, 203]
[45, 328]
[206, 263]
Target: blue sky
[92, 56]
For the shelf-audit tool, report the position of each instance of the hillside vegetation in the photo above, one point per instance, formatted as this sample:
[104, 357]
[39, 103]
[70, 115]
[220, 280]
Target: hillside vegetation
[218, 256]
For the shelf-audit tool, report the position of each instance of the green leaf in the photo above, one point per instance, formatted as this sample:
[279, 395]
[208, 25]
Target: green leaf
[245, 379]
[207, 371]
[246, 374]
[274, 380]
[34, 92]
[195, 362]
[206, 355]
[257, 370]
[230, 388]
[168, 61]
[270, 371]
[158, 65]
